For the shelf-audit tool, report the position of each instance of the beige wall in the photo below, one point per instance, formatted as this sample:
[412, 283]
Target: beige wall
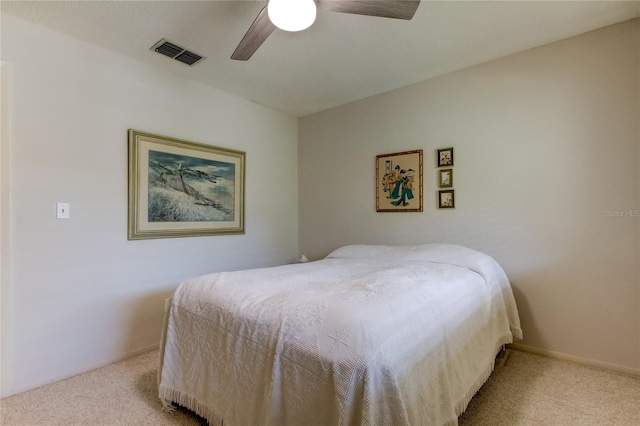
[546, 178]
[80, 295]
[5, 259]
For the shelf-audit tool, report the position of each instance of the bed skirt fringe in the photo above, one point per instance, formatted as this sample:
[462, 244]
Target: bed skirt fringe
[462, 405]
[517, 333]
[169, 395]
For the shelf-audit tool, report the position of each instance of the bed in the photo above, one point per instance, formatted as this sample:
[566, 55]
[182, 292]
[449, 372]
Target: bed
[369, 335]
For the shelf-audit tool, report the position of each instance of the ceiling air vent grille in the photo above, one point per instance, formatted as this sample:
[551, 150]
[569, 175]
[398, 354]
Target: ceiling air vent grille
[176, 52]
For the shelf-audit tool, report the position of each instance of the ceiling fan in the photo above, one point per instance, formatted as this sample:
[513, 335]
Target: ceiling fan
[302, 14]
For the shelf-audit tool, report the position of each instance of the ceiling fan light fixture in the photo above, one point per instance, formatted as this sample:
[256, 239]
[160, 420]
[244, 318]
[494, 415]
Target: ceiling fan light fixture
[292, 15]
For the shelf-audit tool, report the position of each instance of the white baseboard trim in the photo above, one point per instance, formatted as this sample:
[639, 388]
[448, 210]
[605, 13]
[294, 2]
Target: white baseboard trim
[68, 375]
[578, 360]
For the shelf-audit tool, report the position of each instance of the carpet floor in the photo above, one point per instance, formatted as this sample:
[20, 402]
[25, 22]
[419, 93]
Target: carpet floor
[524, 389]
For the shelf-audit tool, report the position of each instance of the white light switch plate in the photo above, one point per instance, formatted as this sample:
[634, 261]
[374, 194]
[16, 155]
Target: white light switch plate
[62, 211]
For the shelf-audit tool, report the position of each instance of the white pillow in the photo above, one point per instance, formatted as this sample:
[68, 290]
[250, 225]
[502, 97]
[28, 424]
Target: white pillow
[439, 253]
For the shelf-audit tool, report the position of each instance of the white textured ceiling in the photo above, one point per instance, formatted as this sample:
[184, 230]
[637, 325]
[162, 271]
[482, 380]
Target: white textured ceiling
[341, 58]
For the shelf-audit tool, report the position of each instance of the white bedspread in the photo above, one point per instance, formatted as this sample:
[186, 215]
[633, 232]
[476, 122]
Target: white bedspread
[371, 335]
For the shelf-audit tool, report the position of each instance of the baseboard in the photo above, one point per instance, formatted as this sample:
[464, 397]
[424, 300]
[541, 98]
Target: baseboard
[578, 360]
[69, 374]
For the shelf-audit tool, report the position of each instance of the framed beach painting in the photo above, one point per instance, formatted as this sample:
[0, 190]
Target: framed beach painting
[399, 182]
[179, 188]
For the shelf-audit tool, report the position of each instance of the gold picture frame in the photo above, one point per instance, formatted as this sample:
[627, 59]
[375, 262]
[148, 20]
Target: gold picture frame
[445, 178]
[399, 183]
[179, 188]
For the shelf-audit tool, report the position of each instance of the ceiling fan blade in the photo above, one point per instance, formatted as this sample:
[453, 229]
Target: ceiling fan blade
[255, 36]
[397, 9]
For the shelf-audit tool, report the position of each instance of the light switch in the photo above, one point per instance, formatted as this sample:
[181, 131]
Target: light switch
[62, 211]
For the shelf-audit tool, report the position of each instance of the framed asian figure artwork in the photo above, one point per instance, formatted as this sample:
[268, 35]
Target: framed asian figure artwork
[445, 178]
[445, 157]
[179, 188]
[446, 199]
[399, 182]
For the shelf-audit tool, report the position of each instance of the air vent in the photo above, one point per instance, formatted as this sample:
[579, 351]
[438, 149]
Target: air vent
[176, 52]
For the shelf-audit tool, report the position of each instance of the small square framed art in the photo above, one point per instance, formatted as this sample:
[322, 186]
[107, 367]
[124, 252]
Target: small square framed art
[446, 199]
[445, 178]
[445, 157]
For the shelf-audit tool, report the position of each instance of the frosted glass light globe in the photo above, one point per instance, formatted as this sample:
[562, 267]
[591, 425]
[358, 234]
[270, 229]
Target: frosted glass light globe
[292, 15]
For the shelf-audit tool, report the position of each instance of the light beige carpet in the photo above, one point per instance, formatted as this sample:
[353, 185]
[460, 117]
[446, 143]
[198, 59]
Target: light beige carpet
[527, 389]
[524, 389]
